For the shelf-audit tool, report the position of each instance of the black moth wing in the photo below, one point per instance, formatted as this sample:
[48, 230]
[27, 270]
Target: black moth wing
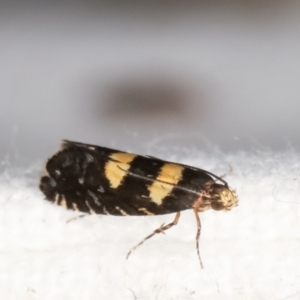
[100, 180]
[194, 169]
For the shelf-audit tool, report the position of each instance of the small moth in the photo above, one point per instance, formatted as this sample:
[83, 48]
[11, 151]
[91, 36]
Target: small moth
[98, 180]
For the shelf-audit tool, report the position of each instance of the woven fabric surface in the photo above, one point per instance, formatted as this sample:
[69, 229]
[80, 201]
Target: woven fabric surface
[251, 252]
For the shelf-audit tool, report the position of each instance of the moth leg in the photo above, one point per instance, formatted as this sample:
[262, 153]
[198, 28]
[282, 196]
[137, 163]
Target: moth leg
[161, 229]
[198, 236]
[78, 217]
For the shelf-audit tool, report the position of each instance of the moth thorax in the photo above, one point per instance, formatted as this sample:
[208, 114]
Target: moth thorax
[223, 197]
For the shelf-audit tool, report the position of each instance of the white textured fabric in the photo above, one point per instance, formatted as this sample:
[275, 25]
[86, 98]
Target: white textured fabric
[251, 252]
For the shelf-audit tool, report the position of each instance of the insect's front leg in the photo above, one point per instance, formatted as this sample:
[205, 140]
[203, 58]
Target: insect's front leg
[198, 236]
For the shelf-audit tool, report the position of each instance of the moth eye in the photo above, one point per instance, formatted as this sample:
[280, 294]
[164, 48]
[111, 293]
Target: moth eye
[217, 205]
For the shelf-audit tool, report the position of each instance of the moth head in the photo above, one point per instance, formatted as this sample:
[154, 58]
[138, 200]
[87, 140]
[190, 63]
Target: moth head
[223, 197]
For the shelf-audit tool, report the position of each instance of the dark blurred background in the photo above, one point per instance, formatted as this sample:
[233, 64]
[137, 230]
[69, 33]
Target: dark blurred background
[139, 74]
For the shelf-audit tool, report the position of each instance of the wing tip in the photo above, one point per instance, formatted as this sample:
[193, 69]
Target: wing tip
[68, 144]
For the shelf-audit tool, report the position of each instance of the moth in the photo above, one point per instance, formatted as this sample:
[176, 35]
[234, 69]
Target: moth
[98, 180]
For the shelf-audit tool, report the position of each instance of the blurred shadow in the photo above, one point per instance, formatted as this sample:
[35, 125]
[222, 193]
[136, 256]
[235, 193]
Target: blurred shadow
[157, 6]
[145, 98]
[181, 5]
[244, 7]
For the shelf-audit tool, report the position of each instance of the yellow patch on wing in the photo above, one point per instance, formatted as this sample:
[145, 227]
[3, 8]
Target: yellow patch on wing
[56, 199]
[74, 206]
[121, 211]
[169, 175]
[115, 169]
[63, 202]
[145, 211]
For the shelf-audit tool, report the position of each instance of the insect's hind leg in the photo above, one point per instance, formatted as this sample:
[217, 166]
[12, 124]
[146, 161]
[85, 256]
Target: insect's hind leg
[161, 229]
